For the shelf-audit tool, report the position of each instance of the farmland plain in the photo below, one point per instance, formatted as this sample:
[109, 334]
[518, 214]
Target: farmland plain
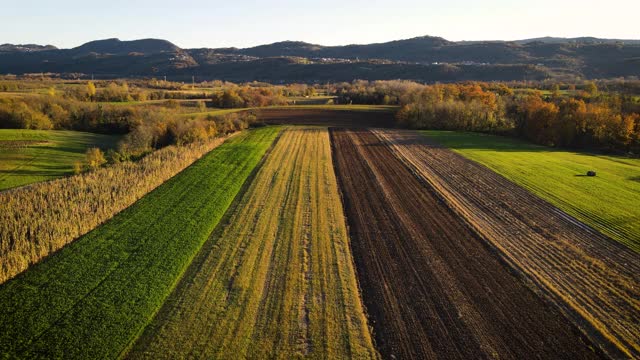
[29, 156]
[592, 279]
[276, 280]
[93, 297]
[430, 285]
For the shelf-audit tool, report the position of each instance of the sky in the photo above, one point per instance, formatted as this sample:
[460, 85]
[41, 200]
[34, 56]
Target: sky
[243, 23]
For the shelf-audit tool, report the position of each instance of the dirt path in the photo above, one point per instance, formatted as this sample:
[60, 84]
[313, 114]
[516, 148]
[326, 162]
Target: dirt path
[594, 280]
[431, 287]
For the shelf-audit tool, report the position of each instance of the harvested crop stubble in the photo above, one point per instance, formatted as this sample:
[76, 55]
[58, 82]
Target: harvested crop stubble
[430, 285]
[594, 280]
[94, 297]
[277, 280]
[39, 219]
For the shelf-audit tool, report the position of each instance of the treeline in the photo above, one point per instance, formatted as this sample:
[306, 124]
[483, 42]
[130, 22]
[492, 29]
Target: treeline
[49, 112]
[122, 91]
[243, 97]
[577, 117]
[146, 127]
[162, 128]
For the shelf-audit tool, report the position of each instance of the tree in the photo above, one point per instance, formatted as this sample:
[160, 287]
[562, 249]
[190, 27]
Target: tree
[591, 88]
[570, 124]
[77, 167]
[91, 91]
[95, 158]
[555, 91]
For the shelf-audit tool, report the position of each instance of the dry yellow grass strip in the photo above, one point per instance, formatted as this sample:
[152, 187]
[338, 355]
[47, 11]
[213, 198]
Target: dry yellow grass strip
[39, 219]
[278, 281]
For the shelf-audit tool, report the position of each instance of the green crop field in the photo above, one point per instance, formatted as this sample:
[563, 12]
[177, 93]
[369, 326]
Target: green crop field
[277, 281]
[28, 156]
[95, 296]
[608, 202]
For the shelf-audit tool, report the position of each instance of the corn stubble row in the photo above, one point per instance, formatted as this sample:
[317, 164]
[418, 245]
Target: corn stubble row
[39, 219]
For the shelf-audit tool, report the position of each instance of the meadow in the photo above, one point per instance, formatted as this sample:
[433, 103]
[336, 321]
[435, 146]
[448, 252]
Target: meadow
[277, 279]
[29, 156]
[607, 202]
[93, 297]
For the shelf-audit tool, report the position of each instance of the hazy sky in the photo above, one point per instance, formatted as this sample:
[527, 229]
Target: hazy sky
[242, 23]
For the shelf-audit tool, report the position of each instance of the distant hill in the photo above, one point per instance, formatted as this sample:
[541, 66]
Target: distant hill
[119, 47]
[425, 58]
[25, 48]
[412, 49]
[578, 40]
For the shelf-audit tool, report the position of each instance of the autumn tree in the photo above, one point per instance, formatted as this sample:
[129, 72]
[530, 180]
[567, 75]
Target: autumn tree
[91, 91]
[591, 88]
[95, 158]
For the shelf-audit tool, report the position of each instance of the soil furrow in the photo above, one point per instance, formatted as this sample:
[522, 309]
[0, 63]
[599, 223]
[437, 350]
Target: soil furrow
[594, 280]
[432, 287]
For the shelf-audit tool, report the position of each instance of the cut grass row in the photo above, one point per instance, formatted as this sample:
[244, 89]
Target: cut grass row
[607, 202]
[277, 280]
[93, 298]
[29, 156]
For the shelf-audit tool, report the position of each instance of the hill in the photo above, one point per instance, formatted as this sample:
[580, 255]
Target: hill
[423, 58]
[578, 40]
[119, 47]
[25, 47]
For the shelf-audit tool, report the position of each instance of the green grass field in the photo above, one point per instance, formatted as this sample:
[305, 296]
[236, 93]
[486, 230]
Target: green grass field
[94, 297]
[29, 156]
[609, 202]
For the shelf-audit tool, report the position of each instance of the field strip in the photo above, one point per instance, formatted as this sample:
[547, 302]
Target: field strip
[277, 279]
[607, 202]
[431, 287]
[94, 296]
[594, 280]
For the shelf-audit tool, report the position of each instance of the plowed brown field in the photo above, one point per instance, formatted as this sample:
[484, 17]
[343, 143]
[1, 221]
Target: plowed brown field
[431, 286]
[327, 117]
[594, 280]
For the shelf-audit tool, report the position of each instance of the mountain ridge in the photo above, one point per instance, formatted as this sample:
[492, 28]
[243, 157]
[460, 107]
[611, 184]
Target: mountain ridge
[584, 57]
